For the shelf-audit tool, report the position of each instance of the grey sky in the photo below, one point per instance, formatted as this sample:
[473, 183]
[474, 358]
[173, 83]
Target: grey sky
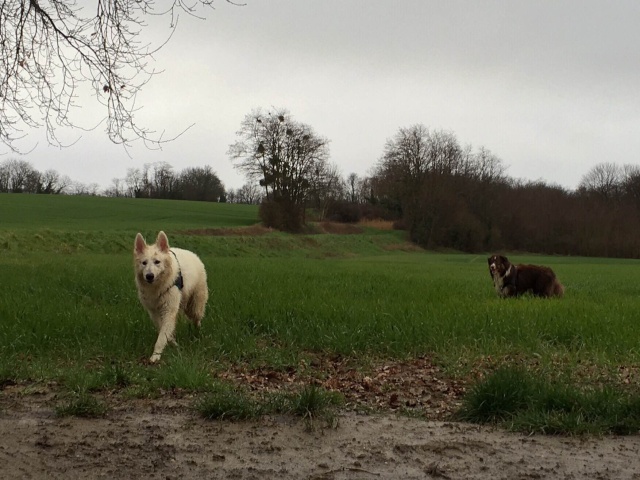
[550, 87]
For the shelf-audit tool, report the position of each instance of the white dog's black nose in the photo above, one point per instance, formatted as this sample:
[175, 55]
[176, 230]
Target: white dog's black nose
[149, 277]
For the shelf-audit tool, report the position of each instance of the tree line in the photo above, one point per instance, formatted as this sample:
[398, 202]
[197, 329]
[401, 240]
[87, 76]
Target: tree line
[159, 180]
[445, 194]
[153, 180]
[19, 176]
[449, 196]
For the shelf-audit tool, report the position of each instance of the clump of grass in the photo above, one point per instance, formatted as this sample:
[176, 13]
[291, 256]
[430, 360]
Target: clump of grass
[111, 375]
[501, 395]
[81, 405]
[8, 375]
[183, 372]
[520, 400]
[226, 402]
[118, 375]
[312, 401]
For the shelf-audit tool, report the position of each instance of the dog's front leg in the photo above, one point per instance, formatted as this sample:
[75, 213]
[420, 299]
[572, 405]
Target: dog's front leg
[166, 334]
[509, 291]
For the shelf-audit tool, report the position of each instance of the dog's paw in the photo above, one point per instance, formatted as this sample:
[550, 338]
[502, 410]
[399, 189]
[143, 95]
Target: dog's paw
[155, 358]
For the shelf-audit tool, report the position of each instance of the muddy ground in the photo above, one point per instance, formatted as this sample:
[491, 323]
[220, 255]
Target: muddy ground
[162, 439]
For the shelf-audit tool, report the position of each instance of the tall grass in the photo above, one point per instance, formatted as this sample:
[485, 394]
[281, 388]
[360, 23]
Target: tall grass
[225, 402]
[522, 401]
[65, 309]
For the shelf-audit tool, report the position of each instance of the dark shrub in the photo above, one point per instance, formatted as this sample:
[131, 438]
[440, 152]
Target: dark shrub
[344, 212]
[281, 215]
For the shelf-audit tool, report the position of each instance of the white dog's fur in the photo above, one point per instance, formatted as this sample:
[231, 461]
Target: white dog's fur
[160, 272]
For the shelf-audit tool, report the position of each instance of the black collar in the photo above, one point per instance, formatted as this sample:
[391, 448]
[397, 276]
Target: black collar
[179, 281]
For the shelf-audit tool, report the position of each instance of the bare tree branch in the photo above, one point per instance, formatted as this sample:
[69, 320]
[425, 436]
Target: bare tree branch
[49, 48]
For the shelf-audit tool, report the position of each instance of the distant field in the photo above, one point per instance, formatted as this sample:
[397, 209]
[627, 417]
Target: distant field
[59, 212]
[276, 298]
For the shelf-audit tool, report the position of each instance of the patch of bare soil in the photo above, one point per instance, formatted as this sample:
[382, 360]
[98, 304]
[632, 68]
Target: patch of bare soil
[250, 231]
[165, 440]
[257, 229]
[337, 228]
[377, 223]
[416, 386]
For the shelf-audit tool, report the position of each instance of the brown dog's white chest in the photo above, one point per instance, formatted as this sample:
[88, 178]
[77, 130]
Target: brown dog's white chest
[499, 280]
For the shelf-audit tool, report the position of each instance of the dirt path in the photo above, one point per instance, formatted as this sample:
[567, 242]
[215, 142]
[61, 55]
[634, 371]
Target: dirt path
[143, 441]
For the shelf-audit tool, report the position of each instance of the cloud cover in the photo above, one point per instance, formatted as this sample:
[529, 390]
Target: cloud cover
[549, 87]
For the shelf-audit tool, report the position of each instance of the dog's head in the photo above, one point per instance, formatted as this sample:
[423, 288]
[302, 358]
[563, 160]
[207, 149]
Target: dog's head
[498, 265]
[152, 262]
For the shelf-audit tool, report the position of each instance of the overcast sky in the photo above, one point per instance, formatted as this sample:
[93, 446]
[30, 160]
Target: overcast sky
[550, 87]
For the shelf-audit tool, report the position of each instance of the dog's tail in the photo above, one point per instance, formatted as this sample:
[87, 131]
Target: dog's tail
[558, 289]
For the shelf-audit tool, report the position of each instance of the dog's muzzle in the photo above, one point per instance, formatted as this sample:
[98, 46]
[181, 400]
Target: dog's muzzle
[149, 277]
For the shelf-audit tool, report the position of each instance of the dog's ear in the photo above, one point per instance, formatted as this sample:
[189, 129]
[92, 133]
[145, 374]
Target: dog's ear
[139, 245]
[504, 259]
[162, 242]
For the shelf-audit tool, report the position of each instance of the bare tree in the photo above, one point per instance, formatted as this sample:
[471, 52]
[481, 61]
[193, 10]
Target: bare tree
[249, 193]
[200, 183]
[326, 185]
[605, 180]
[117, 188]
[412, 156]
[162, 180]
[284, 156]
[484, 166]
[366, 189]
[18, 174]
[445, 155]
[84, 189]
[631, 183]
[4, 178]
[279, 152]
[52, 182]
[352, 187]
[407, 156]
[135, 183]
[231, 196]
[48, 48]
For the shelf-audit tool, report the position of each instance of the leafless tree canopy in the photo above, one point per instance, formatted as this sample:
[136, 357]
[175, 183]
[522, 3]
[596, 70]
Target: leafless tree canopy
[19, 176]
[288, 159]
[49, 48]
[604, 179]
[285, 156]
[416, 152]
[158, 180]
[249, 193]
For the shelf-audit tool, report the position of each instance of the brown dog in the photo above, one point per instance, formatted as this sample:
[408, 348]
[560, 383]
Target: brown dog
[512, 280]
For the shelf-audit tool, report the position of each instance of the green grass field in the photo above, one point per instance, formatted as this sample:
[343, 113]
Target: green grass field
[73, 214]
[69, 311]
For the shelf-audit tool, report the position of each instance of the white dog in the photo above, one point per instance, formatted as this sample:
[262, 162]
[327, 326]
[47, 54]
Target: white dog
[169, 280]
